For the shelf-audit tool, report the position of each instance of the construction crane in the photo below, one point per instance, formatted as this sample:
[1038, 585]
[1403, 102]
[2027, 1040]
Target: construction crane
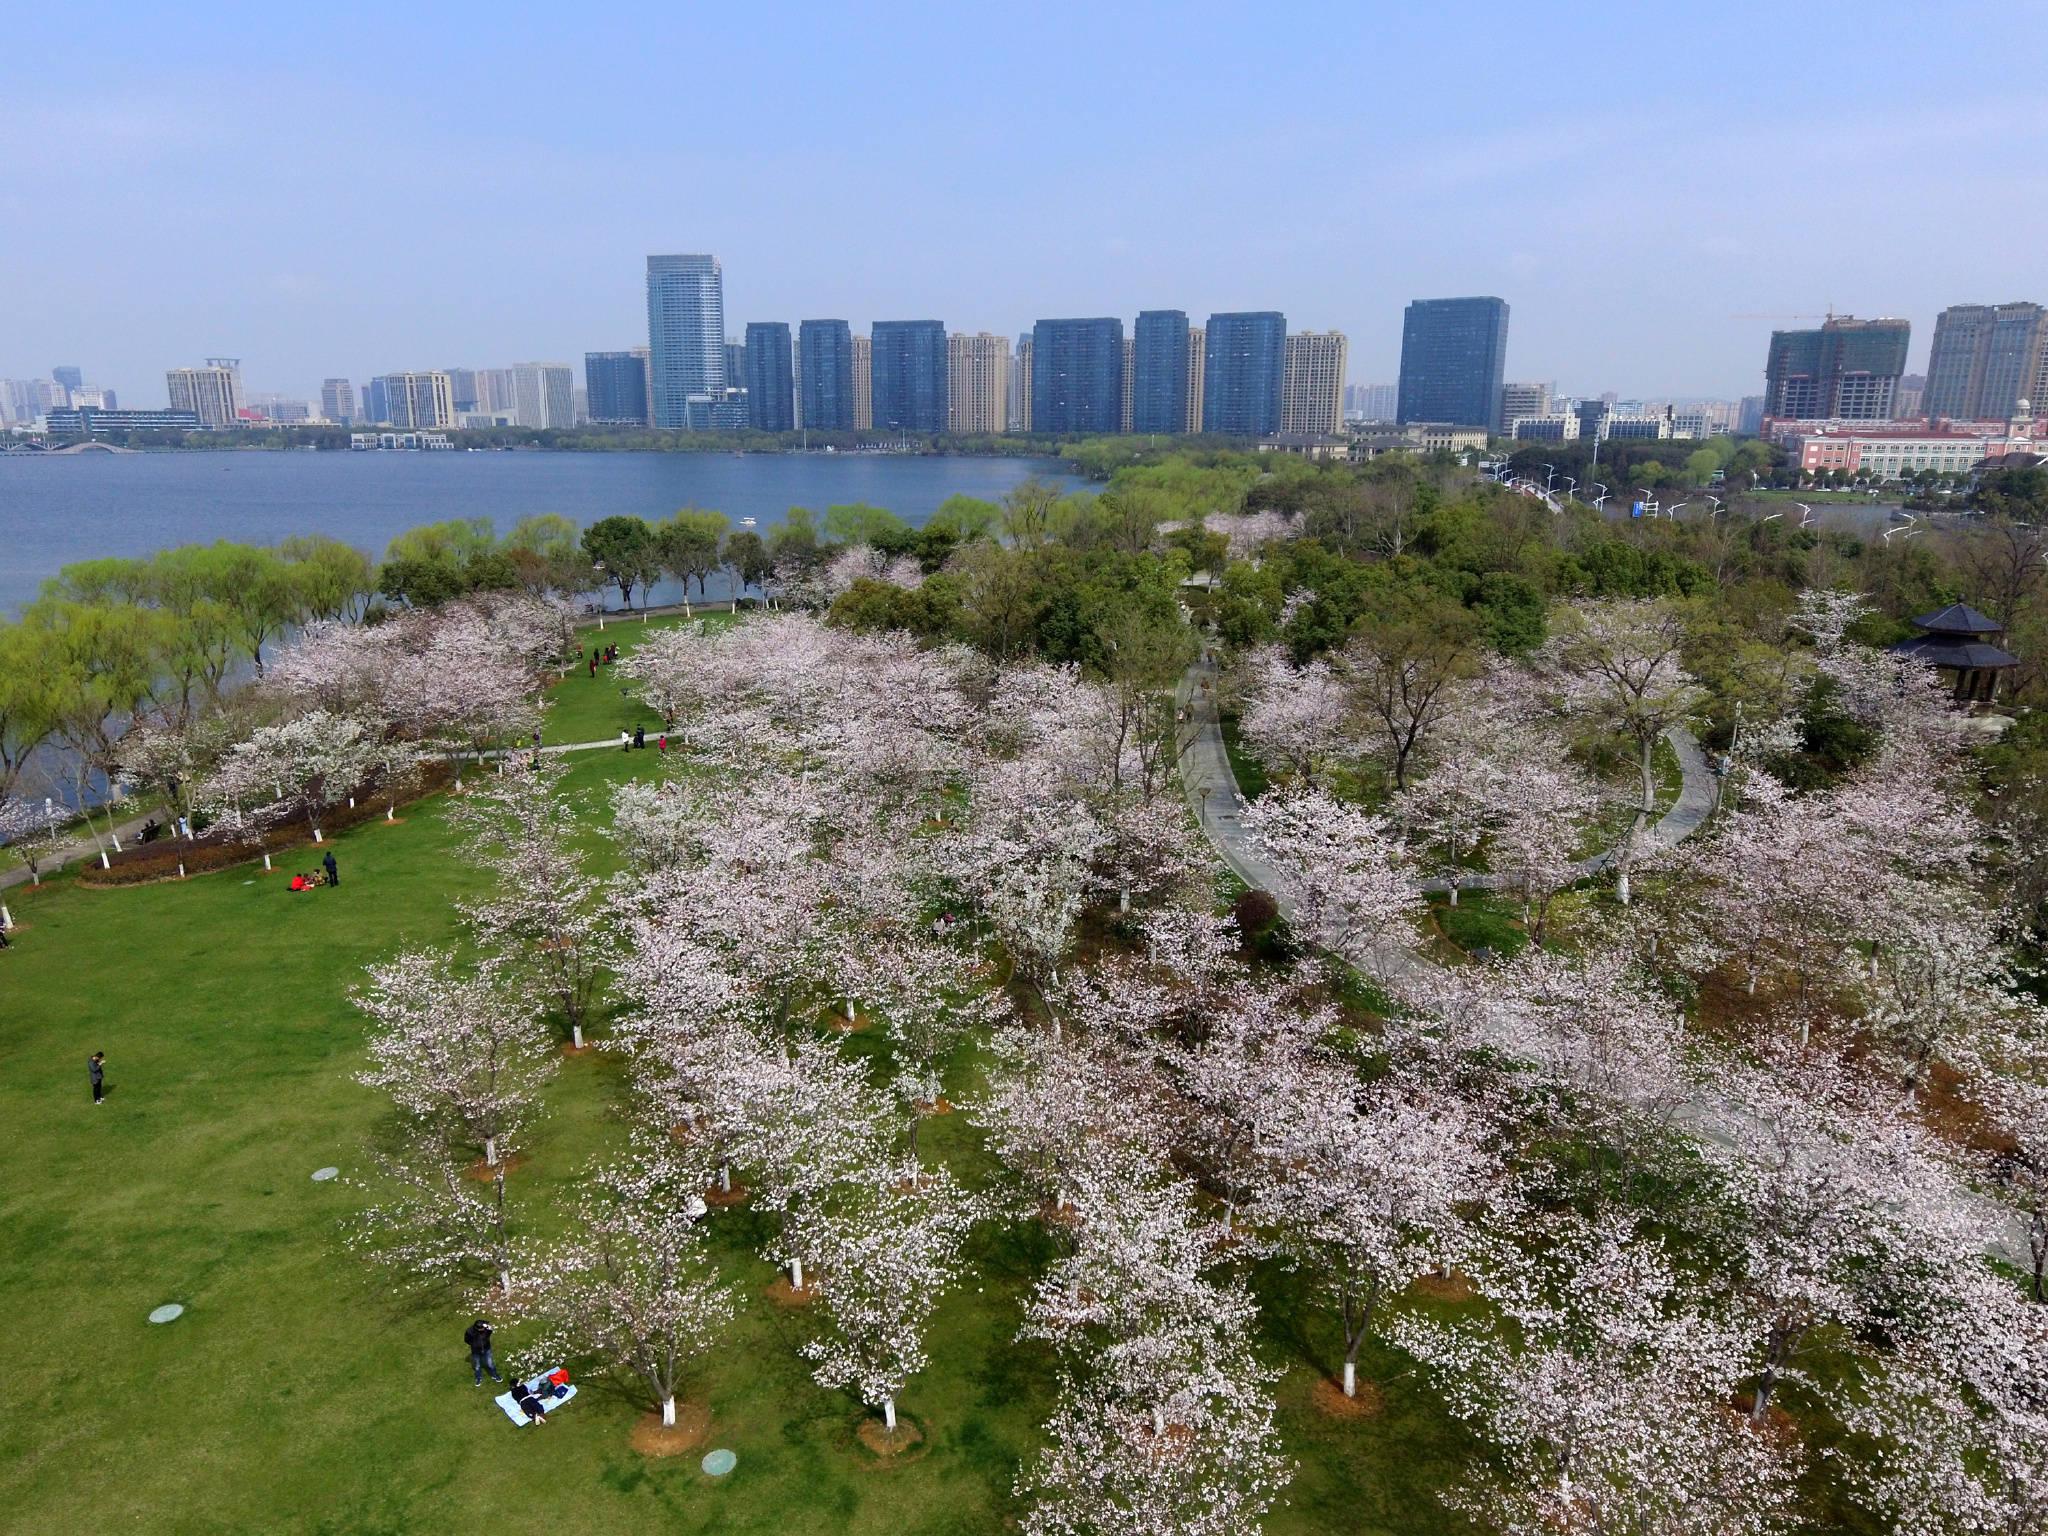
[1828, 316]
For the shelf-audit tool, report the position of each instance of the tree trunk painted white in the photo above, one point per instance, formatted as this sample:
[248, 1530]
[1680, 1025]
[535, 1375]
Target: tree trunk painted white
[6, 917]
[181, 869]
[316, 834]
[105, 862]
[505, 1279]
[725, 1178]
[491, 1151]
[1158, 1421]
[576, 1034]
[1454, 890]
[796, 1274]
[1123, 899]
[668, 1412]
[1351, 1378]
[117, 841]
[391, 812]
[351, 802]
[889, 1414]
[266, 863]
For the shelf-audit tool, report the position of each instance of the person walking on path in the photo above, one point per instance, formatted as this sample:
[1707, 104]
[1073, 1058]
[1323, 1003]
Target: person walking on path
[333, 869]
[96, 1069]
[478, 1337]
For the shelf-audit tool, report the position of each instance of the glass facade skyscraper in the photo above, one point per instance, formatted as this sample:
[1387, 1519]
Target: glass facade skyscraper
[907, 390]
[1987, 358]
[771, 392]
[685, 334]
[1077, 375]
[825, 374]
[1847, 370]
[1244, 367]
[1159, 367]
[1454, 355]
[615, 386]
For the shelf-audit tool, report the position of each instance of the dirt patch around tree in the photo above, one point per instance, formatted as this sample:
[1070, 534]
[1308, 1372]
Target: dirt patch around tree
[939, 1106]
[721, 1198]
[1330, 1401]
[905, 1444]
[783, 1294]
[484, 1172]
[651, 1437]
[1456, 1286]
[849, 1026]
[1778, 1425]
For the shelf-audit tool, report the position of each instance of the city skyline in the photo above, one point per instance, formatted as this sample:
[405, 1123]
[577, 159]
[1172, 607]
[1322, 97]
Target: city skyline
[1107, 197]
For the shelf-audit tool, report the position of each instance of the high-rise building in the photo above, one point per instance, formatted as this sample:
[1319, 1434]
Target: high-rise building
[771, 389]
[212, 393]
[579, 398]
[616, 384]
[1519, 400]
[463, 382]
[1749, 415]
[735, 362]
[1198, 375]
[72, 378]
[1077, 375]
[1158, 374]
[1123, 415]
[338, 400]
[1848, 370]
[1987, 358]
[977, 384]
[1912, 396]
[1020, 403]
[1453, 357]
[1244, 370]
[824, 375]
[543, 395]
[1312, 391]
[1370, 402]
[907, 386]
[863, 384]
[685, 334]
[418, 401]
[376, 409]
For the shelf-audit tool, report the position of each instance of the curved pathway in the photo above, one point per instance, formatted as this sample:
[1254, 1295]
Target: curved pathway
[1212, 792]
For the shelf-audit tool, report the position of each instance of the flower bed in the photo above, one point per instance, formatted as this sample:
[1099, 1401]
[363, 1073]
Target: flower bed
[140, 863]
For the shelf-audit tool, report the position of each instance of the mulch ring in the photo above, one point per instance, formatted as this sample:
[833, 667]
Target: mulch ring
[849, 1026]
[714, 1196]
[1330, 1400]
[783, 1294]
[939, 1106]
[1456, 1286]
[1778, 1424]
[651, 1437]
[906, 1444]
[484, 1172]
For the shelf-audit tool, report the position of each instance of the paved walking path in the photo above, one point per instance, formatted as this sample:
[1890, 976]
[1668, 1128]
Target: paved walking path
[1213, 793]
[69, 851]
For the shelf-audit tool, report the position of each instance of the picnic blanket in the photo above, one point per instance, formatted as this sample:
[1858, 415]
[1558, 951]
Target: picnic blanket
[534, 1384]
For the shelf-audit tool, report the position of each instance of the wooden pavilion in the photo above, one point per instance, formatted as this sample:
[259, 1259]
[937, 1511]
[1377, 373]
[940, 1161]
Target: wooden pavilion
[1959, 640]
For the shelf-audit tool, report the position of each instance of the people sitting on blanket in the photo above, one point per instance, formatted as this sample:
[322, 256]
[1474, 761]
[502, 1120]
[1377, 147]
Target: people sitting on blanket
[525, 1400]
[305, 882]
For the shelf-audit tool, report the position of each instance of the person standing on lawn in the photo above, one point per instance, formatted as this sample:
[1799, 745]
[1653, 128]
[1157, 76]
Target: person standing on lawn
[96, 1069]
[478, 1337]
[333, 870]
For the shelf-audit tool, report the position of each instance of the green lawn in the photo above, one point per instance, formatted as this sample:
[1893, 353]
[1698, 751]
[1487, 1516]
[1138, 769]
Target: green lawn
[304, 1392]
[586, 708]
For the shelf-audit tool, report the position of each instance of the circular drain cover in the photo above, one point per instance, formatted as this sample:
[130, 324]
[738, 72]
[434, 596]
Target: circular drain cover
[718, 1463]
[169, 1312]
[322, 1175]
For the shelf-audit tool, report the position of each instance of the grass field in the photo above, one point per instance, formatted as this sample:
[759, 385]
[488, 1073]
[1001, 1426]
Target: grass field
[303, 1391]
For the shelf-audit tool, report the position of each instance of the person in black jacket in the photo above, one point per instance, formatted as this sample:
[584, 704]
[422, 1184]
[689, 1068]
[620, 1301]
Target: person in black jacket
[333, 870]
[96, 1069]
[527, 1403]
[478, 1337]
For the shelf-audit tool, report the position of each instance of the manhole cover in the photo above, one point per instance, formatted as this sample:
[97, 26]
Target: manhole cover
[718, 1463]
[322, 1175]
[169, 1312]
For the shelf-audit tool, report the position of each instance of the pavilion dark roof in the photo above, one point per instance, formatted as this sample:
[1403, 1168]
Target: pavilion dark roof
[1959, 619]
[1959, 651]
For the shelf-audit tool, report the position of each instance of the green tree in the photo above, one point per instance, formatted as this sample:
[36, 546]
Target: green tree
[546, 551]
[626, 550]
[688, 544]
[747, 557]
[966, 518]
[334, 579]
[859, 523]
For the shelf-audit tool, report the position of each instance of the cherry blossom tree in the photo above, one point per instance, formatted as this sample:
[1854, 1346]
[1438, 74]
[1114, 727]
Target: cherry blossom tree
[537, 916]
[430, 1220]
[1341, 869]
[1620, 666]
[456, 1047]
[1366, 1182]
[1539, 811]
[1293, 718]
[313, 763]
[1605, 1405]
[633, 1284]
[886, 1251]
[33, 829]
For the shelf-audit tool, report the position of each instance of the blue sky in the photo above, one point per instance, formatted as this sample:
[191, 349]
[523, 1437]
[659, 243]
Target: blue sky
[359, 189]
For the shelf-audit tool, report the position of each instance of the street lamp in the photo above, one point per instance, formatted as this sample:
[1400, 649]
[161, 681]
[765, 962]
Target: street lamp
[1571, 486]
[1549, 474]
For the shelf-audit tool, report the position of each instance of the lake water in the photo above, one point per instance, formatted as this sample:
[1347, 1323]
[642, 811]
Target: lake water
[57, 509]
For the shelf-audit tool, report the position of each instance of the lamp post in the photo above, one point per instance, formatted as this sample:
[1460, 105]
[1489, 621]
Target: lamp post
[598, 566]
[1549, 474]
